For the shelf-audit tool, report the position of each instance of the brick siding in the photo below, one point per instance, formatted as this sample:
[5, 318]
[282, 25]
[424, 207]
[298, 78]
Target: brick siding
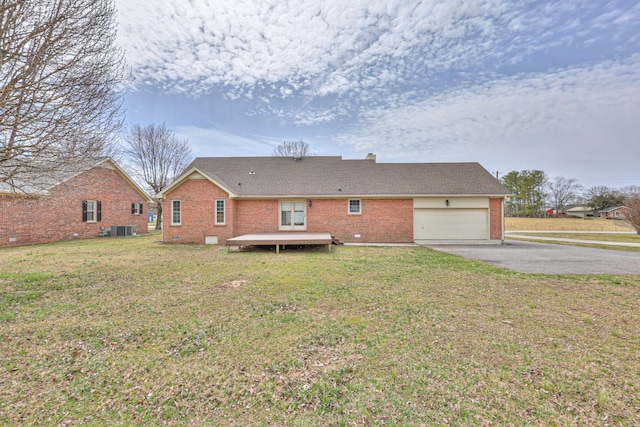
[495, 219]
[197, 200]
[256, 216]
[58, 215]
[381, 220]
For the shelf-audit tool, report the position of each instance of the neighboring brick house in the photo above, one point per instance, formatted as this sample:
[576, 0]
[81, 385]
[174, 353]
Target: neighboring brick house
[617, 212]
[354, 200]
[76, 204]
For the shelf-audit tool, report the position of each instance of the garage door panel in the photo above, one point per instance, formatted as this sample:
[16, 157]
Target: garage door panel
[450, 224]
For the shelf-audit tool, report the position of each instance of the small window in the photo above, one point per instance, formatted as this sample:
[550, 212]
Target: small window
[136, 208]
[355, 207]
[220, 213]
[176, 212]
[91, 211]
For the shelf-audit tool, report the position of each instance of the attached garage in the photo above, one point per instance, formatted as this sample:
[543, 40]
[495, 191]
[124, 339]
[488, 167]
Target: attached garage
[451, 219]
[356, 201]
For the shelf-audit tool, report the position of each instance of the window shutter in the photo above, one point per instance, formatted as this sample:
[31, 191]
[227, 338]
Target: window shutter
[133, 208]
[99, 215]
[84, 211]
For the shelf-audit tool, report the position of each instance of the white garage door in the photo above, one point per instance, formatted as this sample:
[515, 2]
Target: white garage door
[450, 224]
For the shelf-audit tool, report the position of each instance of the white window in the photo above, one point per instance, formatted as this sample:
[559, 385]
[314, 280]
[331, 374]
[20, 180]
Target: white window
[176, 212]
[293, 215]
[136, 208]
[91, 211]
[355, 207]
[220, 212]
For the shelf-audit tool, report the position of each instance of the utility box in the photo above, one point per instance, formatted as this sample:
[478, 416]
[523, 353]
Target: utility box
[123, 230]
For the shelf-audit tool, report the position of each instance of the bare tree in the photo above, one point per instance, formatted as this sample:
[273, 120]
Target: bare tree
[158, 157]
[632, 213]
[632, 202]
[563, 191]
[601, 197]
[631, 192]
[292, 149]
[60, 71]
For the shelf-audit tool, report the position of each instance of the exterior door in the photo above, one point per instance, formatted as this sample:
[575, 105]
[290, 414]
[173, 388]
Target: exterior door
[293, 215]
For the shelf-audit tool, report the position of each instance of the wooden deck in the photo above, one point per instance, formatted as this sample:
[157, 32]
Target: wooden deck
[281, 239]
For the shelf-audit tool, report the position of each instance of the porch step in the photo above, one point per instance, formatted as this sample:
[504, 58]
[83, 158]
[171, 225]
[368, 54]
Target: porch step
[336, 241]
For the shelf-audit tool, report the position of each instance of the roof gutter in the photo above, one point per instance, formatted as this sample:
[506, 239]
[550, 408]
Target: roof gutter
[359, 196]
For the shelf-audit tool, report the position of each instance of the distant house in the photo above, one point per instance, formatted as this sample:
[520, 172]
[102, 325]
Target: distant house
[582, 212]
[80, 202]
[553, 212]
[617, 212]
[354, 200]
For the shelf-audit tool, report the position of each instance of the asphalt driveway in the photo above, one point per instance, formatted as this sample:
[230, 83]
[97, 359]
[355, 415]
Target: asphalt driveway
[529, 257]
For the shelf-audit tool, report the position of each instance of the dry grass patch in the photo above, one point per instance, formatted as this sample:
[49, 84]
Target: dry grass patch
[566, 224]
[124, 331]
[574, 228]
[602, 237]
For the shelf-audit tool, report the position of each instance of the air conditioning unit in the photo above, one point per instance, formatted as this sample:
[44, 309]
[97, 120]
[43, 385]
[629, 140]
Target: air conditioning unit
[123, 230]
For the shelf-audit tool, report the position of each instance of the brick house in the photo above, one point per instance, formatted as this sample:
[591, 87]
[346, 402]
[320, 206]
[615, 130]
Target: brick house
[354, 200]
[616, 212]
[78, 203]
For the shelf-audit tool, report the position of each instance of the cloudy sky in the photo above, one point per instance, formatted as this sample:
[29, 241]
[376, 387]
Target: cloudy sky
[512, 84]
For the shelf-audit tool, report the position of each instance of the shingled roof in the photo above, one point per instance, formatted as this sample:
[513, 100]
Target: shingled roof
[38, 183]
[322, 176]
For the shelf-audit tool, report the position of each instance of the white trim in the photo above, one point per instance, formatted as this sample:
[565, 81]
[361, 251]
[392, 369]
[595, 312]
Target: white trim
[359, 212]
[215, 211]
[172, 212]
[94, 211]
[128, 179]
[185, 176]
[360, 196]
[293, 226]
[138, 208]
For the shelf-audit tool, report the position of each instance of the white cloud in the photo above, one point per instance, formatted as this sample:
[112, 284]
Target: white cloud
[577, 118]
[328, 47]
[324, 46]
[445, 79]
[213, 142]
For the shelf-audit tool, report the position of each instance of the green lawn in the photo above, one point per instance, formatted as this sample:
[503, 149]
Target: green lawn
[603, 239]
[128, 331]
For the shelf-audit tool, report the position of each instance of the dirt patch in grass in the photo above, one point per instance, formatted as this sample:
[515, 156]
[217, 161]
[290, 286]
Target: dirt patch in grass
[129, 332]
[235, 283]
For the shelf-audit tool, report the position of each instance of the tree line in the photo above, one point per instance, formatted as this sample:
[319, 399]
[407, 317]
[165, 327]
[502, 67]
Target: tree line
[534, 193]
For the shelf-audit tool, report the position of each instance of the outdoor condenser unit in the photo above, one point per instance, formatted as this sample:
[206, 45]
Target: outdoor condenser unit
[123, 230]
